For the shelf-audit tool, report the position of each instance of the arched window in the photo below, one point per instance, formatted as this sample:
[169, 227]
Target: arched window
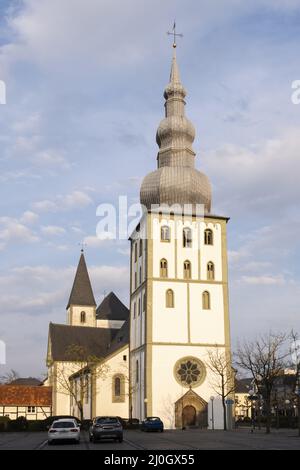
[187, 270]
[210, 271]
[141, 247]
[82, 317]
[137, 371]
[135, 252]
[163, 268]
[206, 300]
[165, 233]
[187, 237]
[208, 237]
[118, 388]
[170, 298]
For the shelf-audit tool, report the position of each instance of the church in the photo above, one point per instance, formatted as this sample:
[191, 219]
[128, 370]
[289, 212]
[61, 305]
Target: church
[153, 360]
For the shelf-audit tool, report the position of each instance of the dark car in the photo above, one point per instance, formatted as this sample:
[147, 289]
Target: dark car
[152, 423]
[106, 427]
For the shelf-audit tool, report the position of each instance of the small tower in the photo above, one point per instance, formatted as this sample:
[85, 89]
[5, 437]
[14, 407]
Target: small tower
[81, 308]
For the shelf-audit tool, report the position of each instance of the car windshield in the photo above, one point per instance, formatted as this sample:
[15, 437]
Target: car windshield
[107, 421]
[63, 425]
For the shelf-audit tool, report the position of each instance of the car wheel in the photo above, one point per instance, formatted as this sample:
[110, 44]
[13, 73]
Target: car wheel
[49, 443]
[161, 430]
[120, 439]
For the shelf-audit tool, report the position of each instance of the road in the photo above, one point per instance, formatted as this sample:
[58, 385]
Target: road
[173, 440]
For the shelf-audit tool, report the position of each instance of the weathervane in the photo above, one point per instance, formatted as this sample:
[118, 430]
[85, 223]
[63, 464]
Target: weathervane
[174, 34]
[82, 244]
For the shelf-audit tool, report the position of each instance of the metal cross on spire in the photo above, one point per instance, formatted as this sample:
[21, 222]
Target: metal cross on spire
[174, 34]
[82, 244]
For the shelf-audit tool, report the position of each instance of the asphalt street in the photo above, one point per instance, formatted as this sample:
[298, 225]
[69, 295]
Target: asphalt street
[169, 440]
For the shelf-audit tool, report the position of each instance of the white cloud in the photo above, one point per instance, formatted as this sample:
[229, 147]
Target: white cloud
[50, 158]
[12, 230]
[74, 200]
[52, 230]
[263, 280]
[29, 217]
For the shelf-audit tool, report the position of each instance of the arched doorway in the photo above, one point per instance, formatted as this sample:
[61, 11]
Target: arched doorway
[189, 415]
[191, 410]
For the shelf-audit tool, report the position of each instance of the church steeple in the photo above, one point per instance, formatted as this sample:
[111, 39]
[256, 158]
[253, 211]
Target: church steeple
[176, 181]
[82, 292]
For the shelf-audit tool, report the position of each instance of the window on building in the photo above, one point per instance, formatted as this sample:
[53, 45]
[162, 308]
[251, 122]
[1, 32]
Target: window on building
[140, 273]
[139, 309]
[134, 310]
[210, 271]
[144, 302]
[170, 298]
[187, 270]
[163, 268]
[118, 388]
[31, 409]
[208, 237]
[135, 280]
[206, 300]
[141, 247]
[124, 358]
[165, 233]
[137, 374]
[87, 389]
[82, 317]
[135, 252]
[187, 237]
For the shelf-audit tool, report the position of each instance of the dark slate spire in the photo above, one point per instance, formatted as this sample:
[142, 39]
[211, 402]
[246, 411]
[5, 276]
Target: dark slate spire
[82, 292]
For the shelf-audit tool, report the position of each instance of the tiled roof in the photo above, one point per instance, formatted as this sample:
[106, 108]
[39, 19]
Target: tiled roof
[26, 381]
[82, 292]
[25, 395]
[94, 341]
[111, 308]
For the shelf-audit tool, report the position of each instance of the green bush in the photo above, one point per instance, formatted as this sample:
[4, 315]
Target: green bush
[35, 426]
[4, 420]
[19, 424]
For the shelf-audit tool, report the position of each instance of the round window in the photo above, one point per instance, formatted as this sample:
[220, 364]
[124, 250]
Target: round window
[190, 372]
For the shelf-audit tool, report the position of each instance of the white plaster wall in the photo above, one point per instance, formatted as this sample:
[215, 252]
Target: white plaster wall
[207, 326]
[104, 384]
[138, 389]
[169, 324]
[166, 390]
[116, 324]
[211, 252]
[74, 315]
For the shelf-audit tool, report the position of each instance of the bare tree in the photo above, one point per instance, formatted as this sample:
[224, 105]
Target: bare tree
[265, 359]
[9, 377]
[79, 368]
[223, 376]
[296, 360]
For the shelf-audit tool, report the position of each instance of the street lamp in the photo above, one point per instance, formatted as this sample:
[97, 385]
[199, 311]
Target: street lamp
[252, 397]
[212, 413]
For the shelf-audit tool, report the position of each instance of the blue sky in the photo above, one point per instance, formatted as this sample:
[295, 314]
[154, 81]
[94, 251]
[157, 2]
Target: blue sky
[84, 98]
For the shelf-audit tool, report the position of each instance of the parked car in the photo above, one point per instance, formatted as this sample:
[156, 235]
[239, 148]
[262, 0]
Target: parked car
[64, 429]
[152, 423]
[50, 420]
[106, 427]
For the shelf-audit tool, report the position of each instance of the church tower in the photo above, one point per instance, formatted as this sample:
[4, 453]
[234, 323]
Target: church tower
[81, 308]
[179, 287]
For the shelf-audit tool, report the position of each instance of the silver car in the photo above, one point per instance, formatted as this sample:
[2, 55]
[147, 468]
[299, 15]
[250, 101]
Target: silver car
[64, 429]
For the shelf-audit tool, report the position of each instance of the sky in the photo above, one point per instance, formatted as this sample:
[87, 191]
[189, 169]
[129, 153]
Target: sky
[85, 81]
